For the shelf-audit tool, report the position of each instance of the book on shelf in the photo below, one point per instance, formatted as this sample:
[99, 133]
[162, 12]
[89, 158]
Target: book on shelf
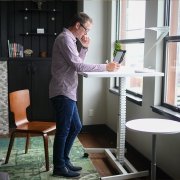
[15, 50]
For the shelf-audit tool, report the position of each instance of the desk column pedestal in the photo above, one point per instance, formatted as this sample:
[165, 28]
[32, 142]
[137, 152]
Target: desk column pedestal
[153, 161]
[121, 130]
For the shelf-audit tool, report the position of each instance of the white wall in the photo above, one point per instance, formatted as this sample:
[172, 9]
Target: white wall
[94, 89]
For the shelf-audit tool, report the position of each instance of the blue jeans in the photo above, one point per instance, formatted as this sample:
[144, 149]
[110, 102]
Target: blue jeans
[68, 125]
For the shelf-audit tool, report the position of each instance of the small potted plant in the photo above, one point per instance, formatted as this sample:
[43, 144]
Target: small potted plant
[117, 47]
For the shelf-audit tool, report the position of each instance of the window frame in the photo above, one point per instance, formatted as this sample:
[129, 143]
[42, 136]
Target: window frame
[126, 41]
[167, 39]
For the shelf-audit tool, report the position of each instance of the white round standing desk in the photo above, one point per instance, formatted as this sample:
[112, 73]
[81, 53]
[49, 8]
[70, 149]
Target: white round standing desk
[154, 126]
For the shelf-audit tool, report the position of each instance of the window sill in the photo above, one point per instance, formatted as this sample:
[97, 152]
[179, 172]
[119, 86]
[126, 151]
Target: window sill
[129, 97]
[157, 109]
[166, 112]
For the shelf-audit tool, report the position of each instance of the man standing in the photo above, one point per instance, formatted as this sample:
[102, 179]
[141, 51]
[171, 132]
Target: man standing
[67, 61]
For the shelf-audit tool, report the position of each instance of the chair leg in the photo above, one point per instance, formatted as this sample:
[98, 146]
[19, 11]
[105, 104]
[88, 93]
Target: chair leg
[27, 143]
[45, 137]
[10, 146]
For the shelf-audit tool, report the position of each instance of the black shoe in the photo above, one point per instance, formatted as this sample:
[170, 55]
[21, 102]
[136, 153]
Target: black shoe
[65, 172]
[73, 168]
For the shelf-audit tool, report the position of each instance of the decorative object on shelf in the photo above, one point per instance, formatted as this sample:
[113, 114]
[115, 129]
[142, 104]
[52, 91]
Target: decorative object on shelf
[43, 54]
[25, 18]
[53, 18]
[28, 52]
[15, 50]
[40, 30]
[39, 3]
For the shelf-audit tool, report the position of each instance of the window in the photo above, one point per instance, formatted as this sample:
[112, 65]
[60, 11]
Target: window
[171, 95]
[131, 36]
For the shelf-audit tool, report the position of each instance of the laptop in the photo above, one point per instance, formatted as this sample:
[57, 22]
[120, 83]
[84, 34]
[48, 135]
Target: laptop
[119, 56]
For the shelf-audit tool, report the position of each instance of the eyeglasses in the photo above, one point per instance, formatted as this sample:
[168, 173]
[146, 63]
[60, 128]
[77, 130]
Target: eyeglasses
[87, 30]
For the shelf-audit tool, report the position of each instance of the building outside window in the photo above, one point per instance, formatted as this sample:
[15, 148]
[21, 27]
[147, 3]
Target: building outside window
[171, 95]
[131, 36]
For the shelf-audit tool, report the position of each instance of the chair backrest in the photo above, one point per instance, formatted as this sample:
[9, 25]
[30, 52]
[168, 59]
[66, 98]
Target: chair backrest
[19, 101]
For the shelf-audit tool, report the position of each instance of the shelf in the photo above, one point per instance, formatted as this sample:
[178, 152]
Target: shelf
[31, 58]
[37, 10]
[35, 34]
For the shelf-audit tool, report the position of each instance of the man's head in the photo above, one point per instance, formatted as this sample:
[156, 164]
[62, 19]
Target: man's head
[80, 24]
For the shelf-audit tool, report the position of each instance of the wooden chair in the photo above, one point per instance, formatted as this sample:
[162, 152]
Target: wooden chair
[19, 101]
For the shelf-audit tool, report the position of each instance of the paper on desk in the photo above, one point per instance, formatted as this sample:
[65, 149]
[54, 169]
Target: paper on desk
[144, 70]
[126, 69]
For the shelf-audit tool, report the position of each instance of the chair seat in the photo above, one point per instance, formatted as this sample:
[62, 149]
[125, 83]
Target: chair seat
[37, 127]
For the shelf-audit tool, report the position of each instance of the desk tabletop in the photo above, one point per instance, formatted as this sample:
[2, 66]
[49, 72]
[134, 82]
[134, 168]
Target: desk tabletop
[154, 126]
[122, 72]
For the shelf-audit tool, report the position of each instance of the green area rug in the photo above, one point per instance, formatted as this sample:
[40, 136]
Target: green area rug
[31, 166]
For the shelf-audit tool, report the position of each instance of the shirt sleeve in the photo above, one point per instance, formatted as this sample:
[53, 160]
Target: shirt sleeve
[76, 59]
[82, 53]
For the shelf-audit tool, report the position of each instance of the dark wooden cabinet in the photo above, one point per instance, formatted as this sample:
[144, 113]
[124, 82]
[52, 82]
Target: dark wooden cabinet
[25, 73]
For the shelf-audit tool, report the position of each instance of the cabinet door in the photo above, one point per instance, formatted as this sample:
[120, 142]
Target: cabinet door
[41, 106]
[19, 75]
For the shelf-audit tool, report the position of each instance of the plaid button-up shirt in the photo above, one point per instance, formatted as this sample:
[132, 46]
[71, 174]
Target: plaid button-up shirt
[66, 63]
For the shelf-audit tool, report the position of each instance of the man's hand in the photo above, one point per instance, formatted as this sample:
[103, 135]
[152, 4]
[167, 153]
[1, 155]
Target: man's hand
[112, 66]
[85, 41]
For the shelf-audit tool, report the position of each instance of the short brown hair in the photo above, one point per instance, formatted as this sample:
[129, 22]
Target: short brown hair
[80, 17]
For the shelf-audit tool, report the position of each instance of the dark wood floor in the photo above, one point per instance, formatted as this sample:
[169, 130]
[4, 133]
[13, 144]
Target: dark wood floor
[107, 139]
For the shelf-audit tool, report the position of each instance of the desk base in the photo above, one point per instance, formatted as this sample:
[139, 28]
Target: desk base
[128, 172]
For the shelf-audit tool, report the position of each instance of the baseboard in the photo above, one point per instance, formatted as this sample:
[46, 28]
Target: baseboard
[98, 128]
